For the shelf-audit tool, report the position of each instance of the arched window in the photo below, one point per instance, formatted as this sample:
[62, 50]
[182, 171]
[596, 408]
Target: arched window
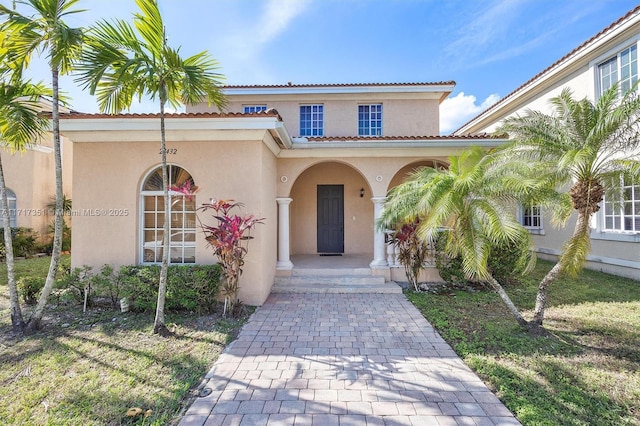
[182, 222]
[12, 206]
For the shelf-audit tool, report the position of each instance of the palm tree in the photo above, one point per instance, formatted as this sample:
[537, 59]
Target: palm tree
[120, 63]
[590, 148]
[20, 125]
[24, 36]
[473, 200]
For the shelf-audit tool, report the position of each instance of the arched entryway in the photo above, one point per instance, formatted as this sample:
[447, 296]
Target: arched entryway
[331, 212]
[404, 172]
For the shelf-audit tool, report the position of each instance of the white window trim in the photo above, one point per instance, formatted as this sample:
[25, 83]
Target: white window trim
[600, 233]
[370, 127]
[141, 194]
[594, 64]
[536, 230]
[311, 128]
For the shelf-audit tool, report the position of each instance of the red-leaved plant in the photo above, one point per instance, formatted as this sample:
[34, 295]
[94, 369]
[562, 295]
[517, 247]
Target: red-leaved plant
[413, 251]
[229, 238]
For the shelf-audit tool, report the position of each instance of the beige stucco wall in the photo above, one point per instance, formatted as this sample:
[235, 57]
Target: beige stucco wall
[31, 175]
[401, 116]
[240, 170]
[377, 170]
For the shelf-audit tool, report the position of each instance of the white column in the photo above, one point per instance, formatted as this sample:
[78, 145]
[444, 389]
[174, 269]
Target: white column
[283, 234]
[379, 249]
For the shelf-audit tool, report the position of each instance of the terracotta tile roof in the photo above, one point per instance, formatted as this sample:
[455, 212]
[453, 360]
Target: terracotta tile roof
[399, 138]
[80, 115]
[556, 63]
[279, 86]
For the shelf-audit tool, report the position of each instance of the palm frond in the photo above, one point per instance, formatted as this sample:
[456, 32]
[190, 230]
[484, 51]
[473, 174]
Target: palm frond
[21, 123]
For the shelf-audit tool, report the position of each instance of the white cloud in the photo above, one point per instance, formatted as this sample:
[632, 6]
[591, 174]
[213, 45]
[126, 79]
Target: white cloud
[277, 16]
[456, 111]
[489, 26]
[274, 19]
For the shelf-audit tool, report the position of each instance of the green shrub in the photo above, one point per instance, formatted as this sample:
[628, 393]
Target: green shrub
[140, 286]
[193, 288]
[450, 269]
[29, 288]
[502, 263]
[108, 283]
[77, 281]
[66, 238]
[25, 242]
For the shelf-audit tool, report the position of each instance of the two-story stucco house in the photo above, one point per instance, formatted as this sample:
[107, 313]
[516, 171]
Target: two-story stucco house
[609, 57]
[316, 161]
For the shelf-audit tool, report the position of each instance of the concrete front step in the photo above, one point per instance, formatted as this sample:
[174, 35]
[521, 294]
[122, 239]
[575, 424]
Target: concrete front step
[305, 272]
[328, 281]
[389, 287]
[334, 280]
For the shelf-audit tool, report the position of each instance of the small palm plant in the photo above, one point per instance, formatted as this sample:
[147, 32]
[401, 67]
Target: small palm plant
[472, 200]
[229, 238]
[588, 147]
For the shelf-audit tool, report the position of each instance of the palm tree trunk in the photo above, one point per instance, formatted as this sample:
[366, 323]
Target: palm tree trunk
[17, 320]
[579, 232]
[507, 300]
[38, 313]
[159, 326]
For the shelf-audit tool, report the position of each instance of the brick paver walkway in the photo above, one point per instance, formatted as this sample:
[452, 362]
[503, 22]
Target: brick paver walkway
[343, 359]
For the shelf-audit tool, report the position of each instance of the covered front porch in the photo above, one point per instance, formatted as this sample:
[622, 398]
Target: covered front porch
[353, 210]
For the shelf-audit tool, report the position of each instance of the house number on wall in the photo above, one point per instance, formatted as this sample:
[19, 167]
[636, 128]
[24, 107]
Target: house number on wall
[169, 151]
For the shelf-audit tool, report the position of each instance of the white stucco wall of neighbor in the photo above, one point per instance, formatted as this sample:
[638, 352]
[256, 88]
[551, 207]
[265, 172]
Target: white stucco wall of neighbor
[611, 251]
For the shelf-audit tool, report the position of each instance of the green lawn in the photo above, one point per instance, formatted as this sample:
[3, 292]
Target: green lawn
[586, 371]
[90, 368]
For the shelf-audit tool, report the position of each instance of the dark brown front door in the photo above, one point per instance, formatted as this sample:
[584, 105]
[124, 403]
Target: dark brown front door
[330, 219]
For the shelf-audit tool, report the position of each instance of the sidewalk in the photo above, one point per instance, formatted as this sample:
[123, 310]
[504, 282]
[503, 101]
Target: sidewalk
[343, 359]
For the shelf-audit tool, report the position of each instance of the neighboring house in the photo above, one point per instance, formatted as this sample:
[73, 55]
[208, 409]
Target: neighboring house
[316, 161]
[31, 182]
[610, 57]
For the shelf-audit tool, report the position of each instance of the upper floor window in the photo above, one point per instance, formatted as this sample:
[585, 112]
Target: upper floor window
[624, 215]
[621, 69]
[182, 220]
[370, 120]
[531, 217]
[253, 108]
[311, 120]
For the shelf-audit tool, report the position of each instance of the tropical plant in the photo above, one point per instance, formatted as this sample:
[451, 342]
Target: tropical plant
[23, 36]
[473, 199]
[121, 61]
[20, 125]
[589, 148]
[229, 238]
[413, 251]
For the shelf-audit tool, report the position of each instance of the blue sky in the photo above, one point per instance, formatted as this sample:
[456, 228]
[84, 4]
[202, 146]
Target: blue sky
[488, 47]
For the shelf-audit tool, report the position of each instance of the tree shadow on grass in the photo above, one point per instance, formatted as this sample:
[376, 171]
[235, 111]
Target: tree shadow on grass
[556, 397]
